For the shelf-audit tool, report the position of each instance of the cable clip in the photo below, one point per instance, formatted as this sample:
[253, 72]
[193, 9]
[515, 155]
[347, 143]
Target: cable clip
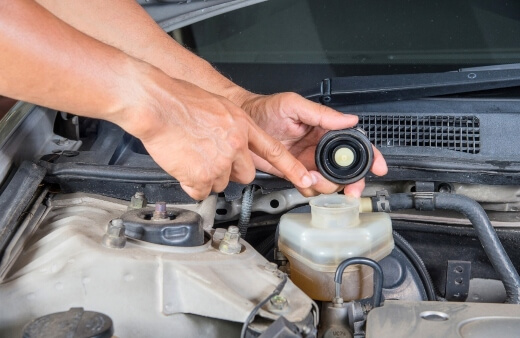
[383, 205]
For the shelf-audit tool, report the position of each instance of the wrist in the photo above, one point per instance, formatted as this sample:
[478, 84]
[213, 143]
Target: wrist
[136, 107]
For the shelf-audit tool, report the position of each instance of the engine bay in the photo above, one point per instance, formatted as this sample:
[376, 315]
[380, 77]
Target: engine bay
[91, 222]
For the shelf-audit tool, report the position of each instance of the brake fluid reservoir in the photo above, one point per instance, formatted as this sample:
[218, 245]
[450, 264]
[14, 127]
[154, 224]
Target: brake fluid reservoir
[335, 230]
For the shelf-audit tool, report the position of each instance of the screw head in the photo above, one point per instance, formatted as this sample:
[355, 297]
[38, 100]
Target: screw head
[233, 229]
[278, 302]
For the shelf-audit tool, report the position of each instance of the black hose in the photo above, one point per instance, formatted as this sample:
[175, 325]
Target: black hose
[258, 306]
[418, 264]
[479, 220]
[488, 238]
[378, 276]
[393, 202]
[245, 212]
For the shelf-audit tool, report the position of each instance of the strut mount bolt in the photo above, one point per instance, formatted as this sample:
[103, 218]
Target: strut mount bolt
[229, 244]
[115, 235]
[160, 211]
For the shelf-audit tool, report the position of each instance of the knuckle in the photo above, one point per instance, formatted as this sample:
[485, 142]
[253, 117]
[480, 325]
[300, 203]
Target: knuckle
[220, 167]
[246, 176]
[201, 194]
[291, 97]
[236, 142]
[204, 180]
[275, 150]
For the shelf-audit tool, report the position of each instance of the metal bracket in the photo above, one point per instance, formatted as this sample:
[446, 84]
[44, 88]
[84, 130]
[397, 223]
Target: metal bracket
[383, 205]
[424, 201]
[458, 276]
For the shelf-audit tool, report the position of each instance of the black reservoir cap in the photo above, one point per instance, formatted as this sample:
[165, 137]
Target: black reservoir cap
[344, 156]
[75, 323]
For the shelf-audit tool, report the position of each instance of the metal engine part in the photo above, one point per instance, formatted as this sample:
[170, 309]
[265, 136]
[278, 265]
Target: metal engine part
[443, 319]
[147, 289]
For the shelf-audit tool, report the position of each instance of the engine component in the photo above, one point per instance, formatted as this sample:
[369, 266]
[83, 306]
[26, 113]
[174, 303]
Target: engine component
[138, 201]
[283, 328]
[340, 319]
[162, 225]
[230, 242]
[191, 291]
[316, 243]
[344, 156]
[16, 197]
[73, 323]
[258, 306]
[115, 236]
[458, 276]
[416, 261]
[378, 278]
[443, 319]
[272, 203]
[478, 218]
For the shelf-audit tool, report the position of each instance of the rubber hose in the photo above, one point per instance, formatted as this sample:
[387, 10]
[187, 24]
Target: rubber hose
[480, 222]
[245, 211]
[396, 202]
[488, 239]
[417, 263]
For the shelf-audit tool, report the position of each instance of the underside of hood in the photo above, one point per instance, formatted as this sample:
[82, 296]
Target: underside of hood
[172, 14]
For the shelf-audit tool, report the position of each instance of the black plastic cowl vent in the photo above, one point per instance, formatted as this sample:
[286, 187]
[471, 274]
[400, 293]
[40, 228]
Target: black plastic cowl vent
[458, 133]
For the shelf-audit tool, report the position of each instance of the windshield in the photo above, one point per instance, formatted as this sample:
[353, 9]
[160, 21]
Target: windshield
[293, 44]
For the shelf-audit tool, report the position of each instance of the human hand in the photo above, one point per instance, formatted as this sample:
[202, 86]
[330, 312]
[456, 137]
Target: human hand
[299, 124]
[202, 139]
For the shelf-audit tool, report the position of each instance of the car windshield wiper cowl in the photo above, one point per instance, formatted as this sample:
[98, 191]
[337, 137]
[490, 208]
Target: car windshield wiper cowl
[386, 88]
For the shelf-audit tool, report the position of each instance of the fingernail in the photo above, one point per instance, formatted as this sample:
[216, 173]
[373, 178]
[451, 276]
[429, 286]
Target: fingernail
[306, 181]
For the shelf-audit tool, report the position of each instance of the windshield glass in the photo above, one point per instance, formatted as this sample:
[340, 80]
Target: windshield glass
[294, 44]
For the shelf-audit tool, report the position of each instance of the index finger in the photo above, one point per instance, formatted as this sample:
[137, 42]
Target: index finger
[278, 156]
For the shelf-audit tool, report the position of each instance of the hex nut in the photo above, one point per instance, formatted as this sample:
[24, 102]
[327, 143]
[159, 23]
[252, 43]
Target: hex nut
[138, 201]
[230, 243]
[115, 237]
[278, 302]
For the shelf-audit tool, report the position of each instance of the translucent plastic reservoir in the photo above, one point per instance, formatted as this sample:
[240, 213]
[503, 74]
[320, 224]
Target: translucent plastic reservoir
[335, 230]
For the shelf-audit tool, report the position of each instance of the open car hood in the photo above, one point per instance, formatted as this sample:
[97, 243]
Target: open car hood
[171, 14]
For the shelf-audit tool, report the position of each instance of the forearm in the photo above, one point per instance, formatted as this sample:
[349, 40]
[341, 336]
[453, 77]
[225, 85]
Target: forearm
[45, 61]
[126, 26]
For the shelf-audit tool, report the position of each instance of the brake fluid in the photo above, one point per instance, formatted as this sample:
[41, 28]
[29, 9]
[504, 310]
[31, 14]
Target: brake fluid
[315, 243]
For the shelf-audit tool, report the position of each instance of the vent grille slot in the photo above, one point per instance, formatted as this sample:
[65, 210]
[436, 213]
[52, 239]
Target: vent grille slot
[458, 133]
